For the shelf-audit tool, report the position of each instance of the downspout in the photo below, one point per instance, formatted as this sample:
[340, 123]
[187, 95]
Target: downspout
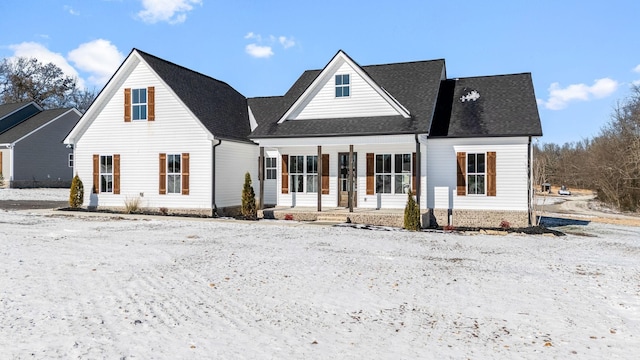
[418, 172]
[214, 207]
[530, 183]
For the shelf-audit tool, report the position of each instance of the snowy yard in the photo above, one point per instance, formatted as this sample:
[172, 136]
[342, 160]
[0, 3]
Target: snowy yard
[74, 286]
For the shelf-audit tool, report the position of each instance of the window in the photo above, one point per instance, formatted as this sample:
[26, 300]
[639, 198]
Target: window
[383, 174]
[476, 174]
[70, 160]
[312, 174]
[174, 174]
[393, 173]
[303, 169]
[342, 85]
[139, 104]
[106, 173]
[402, 173]
[270, 168]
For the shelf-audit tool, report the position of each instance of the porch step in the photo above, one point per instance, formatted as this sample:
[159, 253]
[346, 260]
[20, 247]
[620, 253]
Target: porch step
[332, 218]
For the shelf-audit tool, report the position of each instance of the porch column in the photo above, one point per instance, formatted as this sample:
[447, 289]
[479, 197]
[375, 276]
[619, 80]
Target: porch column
[350, 179]
[261, 177]
[319, 178]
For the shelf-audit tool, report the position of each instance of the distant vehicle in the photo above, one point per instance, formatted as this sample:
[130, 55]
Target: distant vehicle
[563, 191]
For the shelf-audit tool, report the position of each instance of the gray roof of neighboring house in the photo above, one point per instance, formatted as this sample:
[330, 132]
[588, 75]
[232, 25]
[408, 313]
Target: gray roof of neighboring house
[412, 84]
[220, 108]
[30, 124]
[501, 105]
[6, 109]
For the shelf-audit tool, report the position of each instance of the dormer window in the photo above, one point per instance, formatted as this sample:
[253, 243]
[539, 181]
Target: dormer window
[139, 104]
[342, 85]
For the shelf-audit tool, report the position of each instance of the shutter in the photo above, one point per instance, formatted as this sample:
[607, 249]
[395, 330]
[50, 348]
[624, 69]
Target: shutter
[491, 173]
[462, 173]
[116, 173]
[185, 173]
[151, 103]
[413, 173]
[127, 105]
[285, 174]
[325, 173]
[163, 174]
[371, 190]
[96, 174]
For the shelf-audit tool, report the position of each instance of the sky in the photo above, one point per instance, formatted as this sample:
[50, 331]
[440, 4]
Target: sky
[584, 55]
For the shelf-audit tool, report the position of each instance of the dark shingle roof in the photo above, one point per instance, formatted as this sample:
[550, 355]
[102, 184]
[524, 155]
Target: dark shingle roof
[501, 105]
[6, 109]
[220, 108]
[412, 84]
[30, 124]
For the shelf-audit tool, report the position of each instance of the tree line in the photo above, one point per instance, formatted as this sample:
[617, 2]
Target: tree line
[609, 163]
[27, 79]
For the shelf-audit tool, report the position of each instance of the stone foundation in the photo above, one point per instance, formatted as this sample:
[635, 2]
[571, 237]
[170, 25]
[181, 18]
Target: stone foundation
[478, 218]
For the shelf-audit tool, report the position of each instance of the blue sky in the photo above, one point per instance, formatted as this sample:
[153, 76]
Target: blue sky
[583, 55]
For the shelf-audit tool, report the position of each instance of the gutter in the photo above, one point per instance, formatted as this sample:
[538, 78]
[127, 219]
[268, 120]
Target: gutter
[214, 207]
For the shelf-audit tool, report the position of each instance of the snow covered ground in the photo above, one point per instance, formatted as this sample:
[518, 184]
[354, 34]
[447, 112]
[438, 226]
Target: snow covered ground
[87, 286]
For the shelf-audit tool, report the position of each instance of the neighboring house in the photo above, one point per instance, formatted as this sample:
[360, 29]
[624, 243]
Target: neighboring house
[167, 137]
[462, 145]
[31, 150]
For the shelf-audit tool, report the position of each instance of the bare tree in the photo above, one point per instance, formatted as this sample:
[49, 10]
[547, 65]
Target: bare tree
[24, 79]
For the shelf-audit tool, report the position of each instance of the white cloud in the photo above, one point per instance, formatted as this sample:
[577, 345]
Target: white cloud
[99, 58]
[258, 51]
[637, 68]
[286, 42]
[559, 98]
[45, 56]
[171, 11]
[71, 10]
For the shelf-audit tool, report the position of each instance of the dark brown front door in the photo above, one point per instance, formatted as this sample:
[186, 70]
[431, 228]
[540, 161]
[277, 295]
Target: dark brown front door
[343, 179]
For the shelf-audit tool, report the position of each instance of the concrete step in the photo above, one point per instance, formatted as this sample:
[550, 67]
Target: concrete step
[332, 218]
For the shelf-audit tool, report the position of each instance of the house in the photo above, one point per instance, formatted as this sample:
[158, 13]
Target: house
[165, 138]
[31, 150]
[345, 136]
[364, 136]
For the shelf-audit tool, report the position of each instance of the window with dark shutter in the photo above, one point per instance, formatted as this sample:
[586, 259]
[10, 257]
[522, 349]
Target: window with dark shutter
[96, 174]
[185, 173]
[370, 174]
[163, 174]
[461, 162]
[285, 174]
[116, 174]
[127, 105]
[151, 103]
[325, 173]
[491, 173]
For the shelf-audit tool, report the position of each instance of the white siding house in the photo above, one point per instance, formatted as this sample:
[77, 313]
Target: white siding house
[408, 129]
[152, 137]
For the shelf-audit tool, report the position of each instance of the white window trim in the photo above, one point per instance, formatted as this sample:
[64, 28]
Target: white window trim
[336, 86]
[175, 174]
[304, 175]
[273, 167]
[145, 104]
[484, 193]
[103, 191]
[70, 160]
[393, 174]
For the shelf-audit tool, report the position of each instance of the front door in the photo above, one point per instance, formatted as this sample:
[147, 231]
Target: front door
[343, 179]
